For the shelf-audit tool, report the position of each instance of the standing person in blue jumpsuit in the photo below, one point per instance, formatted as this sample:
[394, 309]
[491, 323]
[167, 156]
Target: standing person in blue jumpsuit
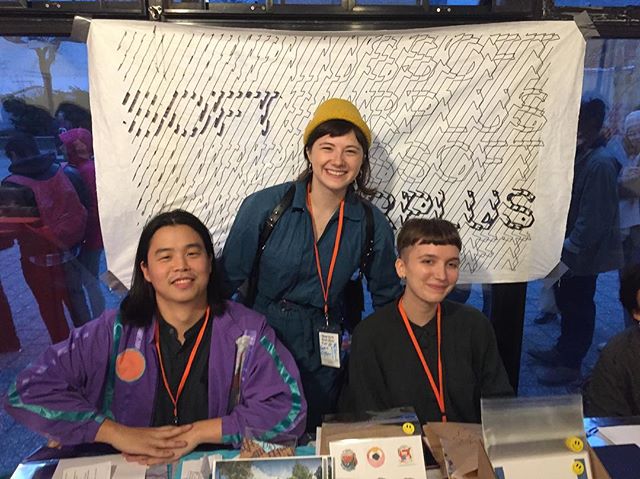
[315, 248]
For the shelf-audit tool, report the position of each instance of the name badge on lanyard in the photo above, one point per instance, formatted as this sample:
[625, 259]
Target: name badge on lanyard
[329, 349]
[328, 340]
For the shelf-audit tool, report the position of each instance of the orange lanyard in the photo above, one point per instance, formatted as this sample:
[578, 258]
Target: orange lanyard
[437, 391]
[187, 368]
[336, 247]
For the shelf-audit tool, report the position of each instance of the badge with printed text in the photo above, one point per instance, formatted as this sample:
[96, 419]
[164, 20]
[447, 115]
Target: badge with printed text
[329, 349]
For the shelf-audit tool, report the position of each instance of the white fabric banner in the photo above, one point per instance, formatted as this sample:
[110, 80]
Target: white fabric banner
[475, 124]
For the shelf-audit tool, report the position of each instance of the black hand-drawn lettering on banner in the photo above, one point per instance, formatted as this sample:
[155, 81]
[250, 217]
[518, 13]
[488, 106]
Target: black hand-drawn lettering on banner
[460, 121]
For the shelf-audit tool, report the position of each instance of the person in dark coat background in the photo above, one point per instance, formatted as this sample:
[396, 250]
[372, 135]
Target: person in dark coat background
[592, 246]
[614, 387]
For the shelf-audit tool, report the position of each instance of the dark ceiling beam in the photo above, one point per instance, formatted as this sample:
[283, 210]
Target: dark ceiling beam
[610, 22]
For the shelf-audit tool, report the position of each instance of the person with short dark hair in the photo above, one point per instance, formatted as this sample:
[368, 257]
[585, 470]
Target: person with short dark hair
[614, 387]
[315, 248]
[422, 350]
[175, 367]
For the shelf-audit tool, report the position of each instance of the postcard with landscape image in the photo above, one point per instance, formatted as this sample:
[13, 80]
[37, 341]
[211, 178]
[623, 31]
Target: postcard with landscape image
[313, 467]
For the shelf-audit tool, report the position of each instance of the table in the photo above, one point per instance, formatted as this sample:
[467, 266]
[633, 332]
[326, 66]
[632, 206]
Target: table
[42, 463]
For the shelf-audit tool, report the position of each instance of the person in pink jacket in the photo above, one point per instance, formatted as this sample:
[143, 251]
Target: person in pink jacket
[78, 144]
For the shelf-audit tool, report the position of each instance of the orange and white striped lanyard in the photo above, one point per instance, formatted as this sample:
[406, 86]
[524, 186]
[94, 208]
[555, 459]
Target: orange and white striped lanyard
[336, 247]
[438, 391]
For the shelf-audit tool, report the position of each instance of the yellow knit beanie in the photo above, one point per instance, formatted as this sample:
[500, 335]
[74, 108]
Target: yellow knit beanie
[337, 109]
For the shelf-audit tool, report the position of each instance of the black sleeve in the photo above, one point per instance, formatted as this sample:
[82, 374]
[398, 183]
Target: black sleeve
[78, 184]
[494, 381]
[365, 389]
[607, 392]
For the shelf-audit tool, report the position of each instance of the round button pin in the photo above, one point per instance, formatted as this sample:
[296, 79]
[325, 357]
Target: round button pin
[408, 428]
[574, 443]
[578, 468]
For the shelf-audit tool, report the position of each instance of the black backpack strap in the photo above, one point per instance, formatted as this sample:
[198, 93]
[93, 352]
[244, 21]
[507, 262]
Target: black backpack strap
[353, 293]
[367, 252]
[265, 232]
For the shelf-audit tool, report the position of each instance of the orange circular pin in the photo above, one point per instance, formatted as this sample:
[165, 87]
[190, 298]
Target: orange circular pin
[130, 365]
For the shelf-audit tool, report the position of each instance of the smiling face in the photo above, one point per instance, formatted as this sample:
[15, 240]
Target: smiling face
[431, 271]
[178, 267]
[335, 161]
[632, 138]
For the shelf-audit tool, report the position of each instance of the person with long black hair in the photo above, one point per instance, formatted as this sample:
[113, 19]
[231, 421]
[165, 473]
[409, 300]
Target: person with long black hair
[175, 367]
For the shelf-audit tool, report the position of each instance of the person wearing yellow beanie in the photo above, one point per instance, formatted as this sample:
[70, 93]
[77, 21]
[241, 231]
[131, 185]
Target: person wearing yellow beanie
[299, 270]
[338, 118]
[337, 109]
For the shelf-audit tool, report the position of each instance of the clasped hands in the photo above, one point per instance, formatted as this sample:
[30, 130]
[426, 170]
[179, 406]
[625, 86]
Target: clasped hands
[156, 445]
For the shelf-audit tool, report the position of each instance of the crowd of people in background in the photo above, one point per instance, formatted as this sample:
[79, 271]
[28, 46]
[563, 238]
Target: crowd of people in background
[603, 234]
[49, 207]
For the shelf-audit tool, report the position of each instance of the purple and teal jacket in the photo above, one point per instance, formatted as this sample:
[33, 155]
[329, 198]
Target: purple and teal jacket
[106, 369]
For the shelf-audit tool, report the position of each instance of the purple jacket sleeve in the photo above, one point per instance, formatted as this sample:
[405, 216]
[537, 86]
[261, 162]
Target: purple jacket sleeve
[271, 397]
[60, 394]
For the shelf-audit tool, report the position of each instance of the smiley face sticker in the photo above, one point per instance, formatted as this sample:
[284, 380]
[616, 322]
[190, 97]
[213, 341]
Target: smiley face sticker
[408, 428]
[574, 443]
[578, 468]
